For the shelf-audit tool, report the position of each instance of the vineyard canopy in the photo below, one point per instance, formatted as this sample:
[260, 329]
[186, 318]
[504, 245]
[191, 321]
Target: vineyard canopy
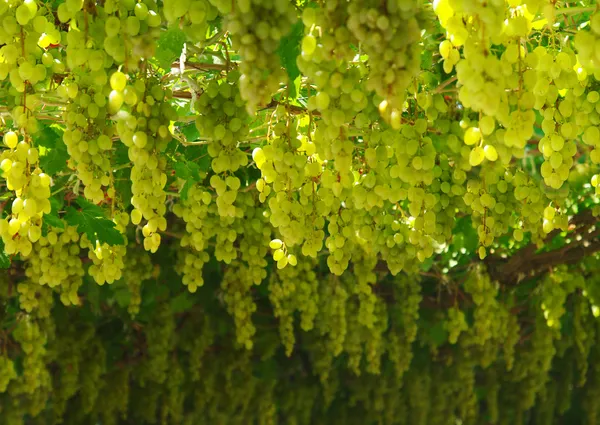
[336, 212]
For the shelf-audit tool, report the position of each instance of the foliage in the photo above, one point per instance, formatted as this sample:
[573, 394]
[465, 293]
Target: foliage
[299, 212]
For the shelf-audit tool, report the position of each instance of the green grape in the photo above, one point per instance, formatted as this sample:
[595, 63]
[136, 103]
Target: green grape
[55, 262]
[8, 373]
[455, 324]
[393, 64]
[256, 28]
[31, 188]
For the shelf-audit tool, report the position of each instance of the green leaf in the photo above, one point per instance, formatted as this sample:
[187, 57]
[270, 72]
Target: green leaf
[121, 156]
[465, 235]
[53, 151]
[190, 132]
[187, 170]
[190, 172]
[54, 221]
[123, 186]
[123, 297]
[91, 220]
[4, 259]
[182, 302]
[169, 47]
[438, 334]
[289, 49]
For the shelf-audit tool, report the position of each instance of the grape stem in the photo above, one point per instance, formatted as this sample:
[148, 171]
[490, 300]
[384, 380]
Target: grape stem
[574, 10]
[446, 83]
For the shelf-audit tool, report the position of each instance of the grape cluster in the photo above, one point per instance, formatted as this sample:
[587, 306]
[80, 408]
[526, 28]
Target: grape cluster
[195, 212]
[159, 333]
[256, 28]
[237, 296]
[27, 29]
[331, 322]
[144, 130]
[223, 120]
[56, 263]
[294, 289]
[455, 324]
[390, 37]
[31, 186]
[34, 298]
[287, 186]
[108, 261]
[195, 13]
[136, 269]
[88, 138]
[32, 338]
[8, 373]
[585, 42]
[93, 367]
[487, 316]
[131, 31]
[554, 289]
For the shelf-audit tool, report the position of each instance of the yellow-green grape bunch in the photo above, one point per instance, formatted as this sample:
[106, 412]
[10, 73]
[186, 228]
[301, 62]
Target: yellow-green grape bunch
[255, 236]
[227, 193]
[256, 28]
[190, 265]
[455, 324]
[145, 132]
[554, 289]
[450, 54]
[554, 218]
[294, 289]
[132, 30]
[137, 268]
[159, 333]
[88, 139]
[19, 165]
[390, 36]
[35, 298]
[27, 29]
[108, 261]
[93, 369]
[55, 262]
[330, 322]
[192, 15]
[531, 207]
[196, 214]
[482, 86]
[475, 25]
[223, 120]
[7, 372]
[237, 287]
[486, 321]
[32, 339]
[558, 152]
[280, 254]
[585, 44]
[287, 186]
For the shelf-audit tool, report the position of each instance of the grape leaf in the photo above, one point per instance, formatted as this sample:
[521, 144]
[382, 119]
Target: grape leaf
[190, 132]
[53, 151]
[91, 220]
[4, 259]
[182, 302]
[54, 221]
[468, 239]
[189, 171]
[288, 51]
[169, 47]
[123, 186]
